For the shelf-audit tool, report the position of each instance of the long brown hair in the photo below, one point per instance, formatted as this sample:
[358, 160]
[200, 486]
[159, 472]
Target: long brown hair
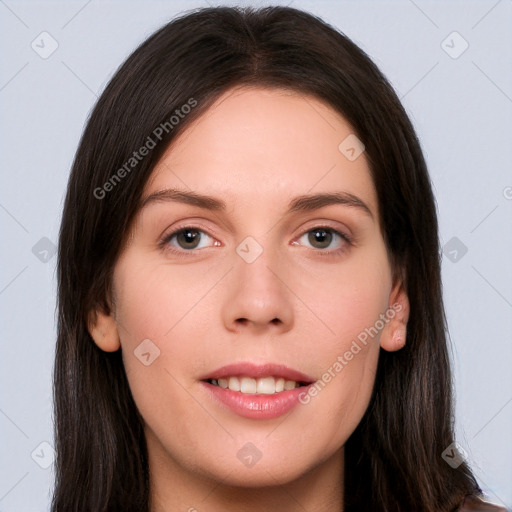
[393, 459]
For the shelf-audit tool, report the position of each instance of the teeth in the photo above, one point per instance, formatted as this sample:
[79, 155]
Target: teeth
[266, 386]
[263, 386]
[234, 384]
[289, 384]
[248, 385]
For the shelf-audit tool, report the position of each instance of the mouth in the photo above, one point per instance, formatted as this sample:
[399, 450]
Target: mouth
[257, 391]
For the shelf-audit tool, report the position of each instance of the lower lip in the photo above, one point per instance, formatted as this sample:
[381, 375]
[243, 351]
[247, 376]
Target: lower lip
[257, 406]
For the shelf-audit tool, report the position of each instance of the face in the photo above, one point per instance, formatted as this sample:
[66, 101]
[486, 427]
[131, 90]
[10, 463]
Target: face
[261, 286]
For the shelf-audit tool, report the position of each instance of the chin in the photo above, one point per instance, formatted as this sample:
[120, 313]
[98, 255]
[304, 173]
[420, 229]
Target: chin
[263, 474]
[251, 467]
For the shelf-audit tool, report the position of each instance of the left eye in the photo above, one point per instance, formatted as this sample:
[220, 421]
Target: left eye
[322, 238]
[188, 238]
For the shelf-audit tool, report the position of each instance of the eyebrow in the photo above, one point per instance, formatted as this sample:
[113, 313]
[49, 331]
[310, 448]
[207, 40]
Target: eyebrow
[303, 203]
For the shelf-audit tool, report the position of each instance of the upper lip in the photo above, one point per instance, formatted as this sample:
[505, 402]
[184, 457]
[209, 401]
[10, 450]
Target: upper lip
[257, 371]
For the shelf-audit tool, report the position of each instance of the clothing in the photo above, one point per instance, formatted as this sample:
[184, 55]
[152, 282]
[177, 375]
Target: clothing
[476, 504]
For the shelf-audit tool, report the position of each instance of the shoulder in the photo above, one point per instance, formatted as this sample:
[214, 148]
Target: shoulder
[476, 504]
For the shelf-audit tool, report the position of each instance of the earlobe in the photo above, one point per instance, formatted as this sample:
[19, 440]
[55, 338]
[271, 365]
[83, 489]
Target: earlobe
[394, 334]
[103, 330]
[398, 338]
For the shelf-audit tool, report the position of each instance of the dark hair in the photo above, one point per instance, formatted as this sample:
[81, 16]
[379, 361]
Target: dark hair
[393, 458]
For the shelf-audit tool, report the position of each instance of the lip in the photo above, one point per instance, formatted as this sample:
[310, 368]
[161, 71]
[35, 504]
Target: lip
[257, 406]
[257, 371]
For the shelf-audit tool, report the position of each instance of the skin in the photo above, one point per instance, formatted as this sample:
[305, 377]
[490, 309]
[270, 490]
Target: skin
[255, 149]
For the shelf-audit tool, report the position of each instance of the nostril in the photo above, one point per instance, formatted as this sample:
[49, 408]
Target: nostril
[244, 321]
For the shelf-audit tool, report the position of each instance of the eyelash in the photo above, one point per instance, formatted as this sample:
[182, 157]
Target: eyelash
[165, 242]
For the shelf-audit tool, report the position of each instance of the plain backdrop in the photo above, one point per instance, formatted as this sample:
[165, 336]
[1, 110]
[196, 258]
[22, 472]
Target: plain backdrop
[450, 63]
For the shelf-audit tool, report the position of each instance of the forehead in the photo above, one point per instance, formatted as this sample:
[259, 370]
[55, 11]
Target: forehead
[259, 145]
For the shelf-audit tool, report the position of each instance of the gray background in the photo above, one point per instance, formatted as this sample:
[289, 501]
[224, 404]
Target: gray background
[461, 108]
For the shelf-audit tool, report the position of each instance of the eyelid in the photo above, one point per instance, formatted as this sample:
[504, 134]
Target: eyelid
[342, 234]
[327, 224]
[180, 225]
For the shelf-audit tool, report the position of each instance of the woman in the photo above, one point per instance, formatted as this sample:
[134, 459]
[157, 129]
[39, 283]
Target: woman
[250, 309]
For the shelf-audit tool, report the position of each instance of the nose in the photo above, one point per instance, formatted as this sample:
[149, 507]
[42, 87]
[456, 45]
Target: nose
[258, 296]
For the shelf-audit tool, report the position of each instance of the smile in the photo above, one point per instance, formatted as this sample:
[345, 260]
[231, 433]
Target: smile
[256, 391]
[262, 386]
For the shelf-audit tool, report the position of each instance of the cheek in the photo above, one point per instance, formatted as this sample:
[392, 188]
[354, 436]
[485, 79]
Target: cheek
[155, 298]
[346, 353]
[348, 297]
[159, 303]
[151, 309]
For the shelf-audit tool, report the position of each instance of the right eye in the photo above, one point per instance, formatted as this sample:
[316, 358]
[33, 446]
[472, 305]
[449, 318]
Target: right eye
[186, 239]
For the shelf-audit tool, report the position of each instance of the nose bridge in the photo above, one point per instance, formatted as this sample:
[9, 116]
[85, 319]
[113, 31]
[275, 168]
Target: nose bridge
[256, 269]
[258, 295]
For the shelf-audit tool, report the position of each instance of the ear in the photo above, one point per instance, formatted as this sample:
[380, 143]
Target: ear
[394, 333]
[103, 329]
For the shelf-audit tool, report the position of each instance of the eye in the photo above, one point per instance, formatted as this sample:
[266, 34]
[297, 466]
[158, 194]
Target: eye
[322, 238]
[187, 239]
